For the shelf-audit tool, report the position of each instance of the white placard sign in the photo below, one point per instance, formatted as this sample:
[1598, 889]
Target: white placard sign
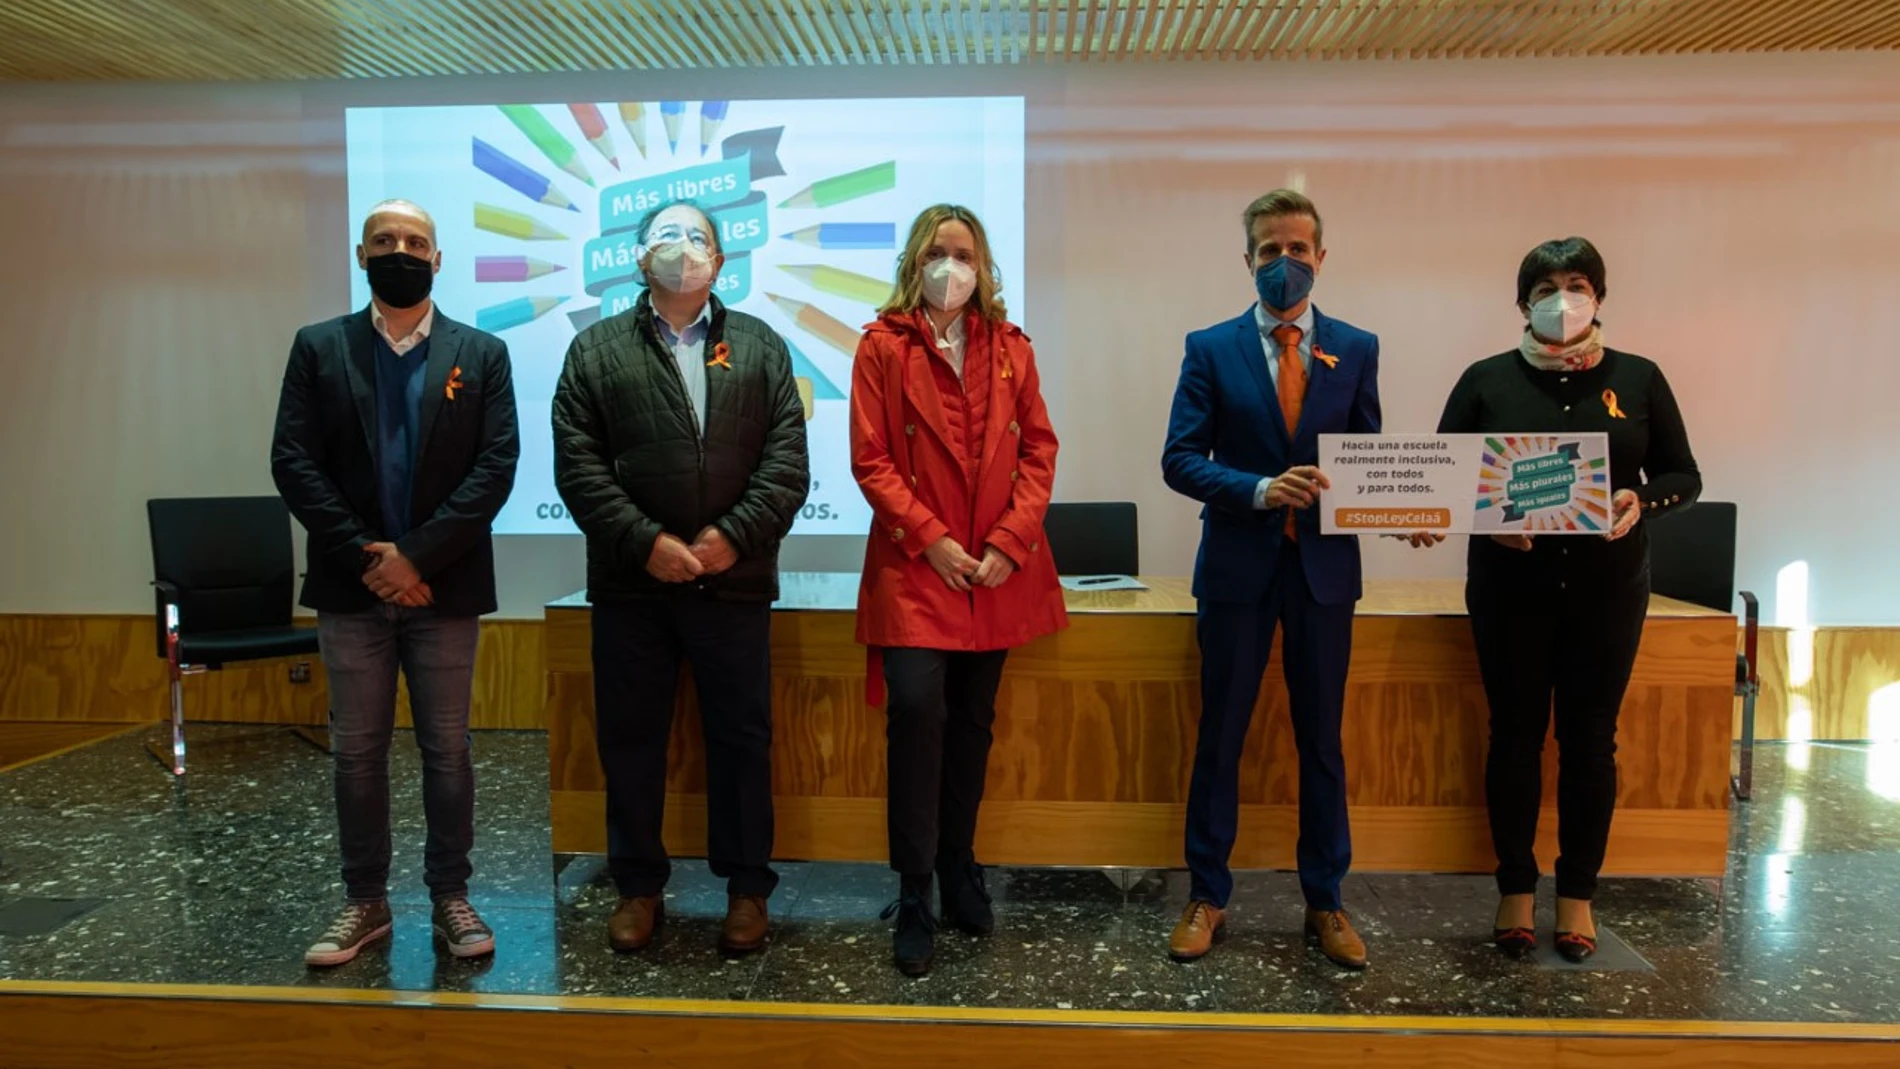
[1465, 483]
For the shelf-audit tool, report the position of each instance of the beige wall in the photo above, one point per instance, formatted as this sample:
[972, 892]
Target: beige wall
[163, 242]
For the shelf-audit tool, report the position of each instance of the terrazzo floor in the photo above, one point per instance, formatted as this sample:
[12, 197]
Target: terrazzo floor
[226, 878]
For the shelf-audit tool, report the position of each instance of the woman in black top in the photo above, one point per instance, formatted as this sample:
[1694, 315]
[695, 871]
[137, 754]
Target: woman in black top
[1560, 618]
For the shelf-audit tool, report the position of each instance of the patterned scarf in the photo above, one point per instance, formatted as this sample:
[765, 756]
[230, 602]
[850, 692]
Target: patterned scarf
[1580, 355]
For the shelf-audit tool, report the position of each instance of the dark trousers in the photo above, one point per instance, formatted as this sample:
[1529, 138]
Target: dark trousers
[638, 647]
[362, 653]
[1236, 640]
[940, 711]
[1573, 652]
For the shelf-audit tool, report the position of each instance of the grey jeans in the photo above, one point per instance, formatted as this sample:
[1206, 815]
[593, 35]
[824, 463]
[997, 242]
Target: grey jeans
[362, 653]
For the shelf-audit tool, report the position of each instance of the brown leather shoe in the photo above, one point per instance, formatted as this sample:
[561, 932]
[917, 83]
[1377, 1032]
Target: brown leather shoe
[746, 924]
[632, 926]
[1336, 938]
[1194, 933]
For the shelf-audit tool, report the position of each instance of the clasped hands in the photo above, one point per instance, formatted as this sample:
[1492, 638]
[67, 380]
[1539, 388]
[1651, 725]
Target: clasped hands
[675, 561]
[392, 577]
[961, 572]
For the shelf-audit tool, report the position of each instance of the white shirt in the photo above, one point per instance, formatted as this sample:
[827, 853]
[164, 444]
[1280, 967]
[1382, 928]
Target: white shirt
[415, 338]
[689, 352]
[950, 344]
[1268, 324]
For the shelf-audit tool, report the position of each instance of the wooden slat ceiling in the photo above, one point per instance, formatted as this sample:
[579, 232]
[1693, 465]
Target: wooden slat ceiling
[212, 40]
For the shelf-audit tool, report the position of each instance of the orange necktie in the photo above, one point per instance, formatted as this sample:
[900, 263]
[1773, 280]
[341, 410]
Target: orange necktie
[1292, 391]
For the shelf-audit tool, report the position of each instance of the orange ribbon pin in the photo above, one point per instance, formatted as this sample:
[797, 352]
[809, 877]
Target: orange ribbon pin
[1009, 371]
[722, 357]
[1609, 402]
[454, 384]
[1325, 358]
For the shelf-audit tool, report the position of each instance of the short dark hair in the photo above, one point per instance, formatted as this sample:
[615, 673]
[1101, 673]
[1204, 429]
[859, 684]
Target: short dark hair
[1282, 202]
[1563, 255]
[647, 220]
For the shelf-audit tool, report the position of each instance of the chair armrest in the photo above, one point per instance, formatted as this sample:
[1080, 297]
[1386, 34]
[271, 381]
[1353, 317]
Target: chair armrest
[1751, 634]
[165, 615]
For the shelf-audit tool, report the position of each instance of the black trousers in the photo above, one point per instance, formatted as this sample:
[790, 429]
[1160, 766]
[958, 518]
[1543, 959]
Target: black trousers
[638, 647]
[940, 710]
[1570, 652]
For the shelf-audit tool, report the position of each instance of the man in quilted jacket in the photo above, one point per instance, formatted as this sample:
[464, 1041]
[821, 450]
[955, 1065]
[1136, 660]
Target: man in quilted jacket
[679, 449]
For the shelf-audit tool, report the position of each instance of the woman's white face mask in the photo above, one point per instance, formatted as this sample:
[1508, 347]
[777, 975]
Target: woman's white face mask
[948, 284]
[1563, 316]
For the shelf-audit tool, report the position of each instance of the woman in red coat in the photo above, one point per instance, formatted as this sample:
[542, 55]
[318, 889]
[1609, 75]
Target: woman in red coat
[951, 444]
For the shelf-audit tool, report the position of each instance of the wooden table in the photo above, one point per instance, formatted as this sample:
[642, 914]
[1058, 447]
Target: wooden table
[1095, 734]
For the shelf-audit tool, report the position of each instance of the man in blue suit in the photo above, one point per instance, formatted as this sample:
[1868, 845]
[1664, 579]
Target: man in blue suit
[1255, 393]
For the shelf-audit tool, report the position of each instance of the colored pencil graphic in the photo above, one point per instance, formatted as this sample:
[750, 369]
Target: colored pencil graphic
[840, 283]
[516, 312]
[559, 150]
[594, 128]
[514, 224]
[519, 176]
[634, 118]
[671, 112]
[825, 192]
[712, 115]
[823, 389]
[814, 321]
[846, 236]
[512, 268]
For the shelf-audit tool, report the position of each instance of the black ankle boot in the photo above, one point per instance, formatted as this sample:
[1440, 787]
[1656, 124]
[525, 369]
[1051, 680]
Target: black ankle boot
[966, 901]
[913, 939]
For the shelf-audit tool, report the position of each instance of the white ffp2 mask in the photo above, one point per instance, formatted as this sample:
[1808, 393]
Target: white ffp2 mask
[1563, 316]
[948, 284]
[681, 267]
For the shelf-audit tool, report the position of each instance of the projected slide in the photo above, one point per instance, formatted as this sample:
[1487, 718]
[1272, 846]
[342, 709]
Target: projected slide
[537, 208]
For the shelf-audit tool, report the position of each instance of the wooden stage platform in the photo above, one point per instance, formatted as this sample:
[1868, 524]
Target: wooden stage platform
[1095, 734]
[93, 1026]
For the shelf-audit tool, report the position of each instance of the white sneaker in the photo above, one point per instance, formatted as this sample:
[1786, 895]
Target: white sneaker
[359, 925]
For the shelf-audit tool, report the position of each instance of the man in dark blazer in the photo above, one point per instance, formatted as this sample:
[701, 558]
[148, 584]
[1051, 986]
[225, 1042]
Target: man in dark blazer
[679, 449]
[1254, 395]
[395, 447]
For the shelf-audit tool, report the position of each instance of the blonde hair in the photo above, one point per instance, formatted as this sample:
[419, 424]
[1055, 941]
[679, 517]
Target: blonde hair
[907, 295]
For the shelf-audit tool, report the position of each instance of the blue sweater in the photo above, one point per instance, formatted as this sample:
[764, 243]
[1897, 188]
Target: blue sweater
[398, 430]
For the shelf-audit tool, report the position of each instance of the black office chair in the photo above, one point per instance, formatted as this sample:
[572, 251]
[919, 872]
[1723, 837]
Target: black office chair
[1692, 559]
[225, 572]
[1093, 538]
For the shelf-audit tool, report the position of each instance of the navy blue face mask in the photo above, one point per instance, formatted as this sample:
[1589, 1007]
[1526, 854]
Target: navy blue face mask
[1283, 283]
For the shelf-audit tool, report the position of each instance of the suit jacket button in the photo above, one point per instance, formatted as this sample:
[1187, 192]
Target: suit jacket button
[1015, 475]
[1035, 547]
[910, 428]
[1014, 428]
[897, 535]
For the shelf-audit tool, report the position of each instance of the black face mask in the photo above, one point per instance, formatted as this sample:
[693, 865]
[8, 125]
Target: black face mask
[399, 280]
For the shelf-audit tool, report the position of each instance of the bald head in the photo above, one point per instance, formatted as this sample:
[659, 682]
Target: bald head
[398, 212]
[398, 226]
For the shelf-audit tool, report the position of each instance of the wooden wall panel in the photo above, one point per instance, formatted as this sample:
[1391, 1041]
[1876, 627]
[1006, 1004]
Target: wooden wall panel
[1835, 674]
[1095, 738]
[106, 669]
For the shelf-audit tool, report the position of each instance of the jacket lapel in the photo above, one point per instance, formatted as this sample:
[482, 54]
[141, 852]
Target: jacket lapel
[1251, 350]
[919, 382]
[1320, 371]
[445, 346]
[359, 358]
